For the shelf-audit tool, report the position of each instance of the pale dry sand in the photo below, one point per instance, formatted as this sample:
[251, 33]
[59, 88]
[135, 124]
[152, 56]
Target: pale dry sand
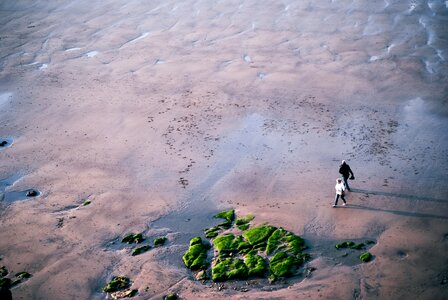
[253, 105]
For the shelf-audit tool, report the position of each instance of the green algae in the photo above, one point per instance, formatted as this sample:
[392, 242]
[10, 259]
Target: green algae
[117, 283]
[160, 241]
[133, 238]
[243, 223]
[358, 246]
[286, 241]
[212, 232]
[229, 268]
[344, 245]
[228, 215]
[263, 251]
[22, 275]
[258, 235]
[171, 297]
[140, 250]
[257, 266]
[196, 256]
[365, 257]
[243, 227]
[282, 264]
[227, 243]
[5, 283]
[86, 202]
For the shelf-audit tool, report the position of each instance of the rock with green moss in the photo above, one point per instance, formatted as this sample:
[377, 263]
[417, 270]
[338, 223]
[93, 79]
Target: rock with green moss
[140, 250]
[285, 241]
[282, 264]
[344, 245]
[358, 246]
[160, 241]
[365, 257]
[5, 283]
[243, 227]
[117, 283]
[227, 244]
[229, 268]
[258, 236]
[228, 215]
[243, 223]
[212, 232]
[196, 256]
[171, 296]
[257, 266]
[133, 238]
[22, 275]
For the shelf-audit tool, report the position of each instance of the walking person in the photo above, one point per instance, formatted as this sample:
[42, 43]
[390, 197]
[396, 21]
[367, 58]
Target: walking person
[340, 188]
[346, 172]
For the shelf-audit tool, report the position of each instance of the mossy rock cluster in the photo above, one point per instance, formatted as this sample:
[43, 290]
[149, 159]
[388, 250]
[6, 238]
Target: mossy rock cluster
[9, 282]
[263, 251]
[137, 238]
[364, 257]
[119, 287]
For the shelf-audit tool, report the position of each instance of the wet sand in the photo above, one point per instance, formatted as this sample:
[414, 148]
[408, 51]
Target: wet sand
[164, 113]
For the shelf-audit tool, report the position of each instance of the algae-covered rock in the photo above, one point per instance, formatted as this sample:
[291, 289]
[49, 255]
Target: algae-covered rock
[228, 215]
[171, 296]
[243, 227]
[257, 266]
[117, 283]
[5, 283]
[282, 264]
[366, 257]
[243, 223]
[132, 238]
[358, 246]
[344, 244]
[212, 232]
[140, 250]
[22, 275]
[244, 220]
[258, 235]
[229, 268]
[196, 256]
[227, 243]
[3, 271]
[160, 241]
[285, 241]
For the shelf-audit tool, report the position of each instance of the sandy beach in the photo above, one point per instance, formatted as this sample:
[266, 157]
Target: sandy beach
[163, 113]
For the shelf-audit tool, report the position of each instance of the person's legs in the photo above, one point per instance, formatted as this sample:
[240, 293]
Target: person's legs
[346, 183]
[336, 200]
[343, 199]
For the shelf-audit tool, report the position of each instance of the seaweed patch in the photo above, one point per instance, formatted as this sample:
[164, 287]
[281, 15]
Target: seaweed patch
[263, 252]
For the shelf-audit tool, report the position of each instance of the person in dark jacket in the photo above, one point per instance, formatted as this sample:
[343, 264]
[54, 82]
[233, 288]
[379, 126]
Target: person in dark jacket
[346, 172]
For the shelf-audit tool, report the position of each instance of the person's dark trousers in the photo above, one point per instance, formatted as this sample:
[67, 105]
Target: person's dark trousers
[346, 182]
[337, 198]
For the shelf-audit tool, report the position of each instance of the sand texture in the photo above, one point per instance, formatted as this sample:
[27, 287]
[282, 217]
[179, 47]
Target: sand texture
[163, 113]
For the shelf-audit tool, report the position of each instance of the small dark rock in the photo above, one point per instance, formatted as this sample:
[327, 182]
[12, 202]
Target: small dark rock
[32, 193]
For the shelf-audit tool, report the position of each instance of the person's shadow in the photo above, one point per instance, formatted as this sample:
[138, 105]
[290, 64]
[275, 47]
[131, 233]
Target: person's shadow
[398, 212]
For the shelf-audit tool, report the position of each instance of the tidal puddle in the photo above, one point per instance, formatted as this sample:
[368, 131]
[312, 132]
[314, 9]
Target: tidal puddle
[6, 142]
[12, 196]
